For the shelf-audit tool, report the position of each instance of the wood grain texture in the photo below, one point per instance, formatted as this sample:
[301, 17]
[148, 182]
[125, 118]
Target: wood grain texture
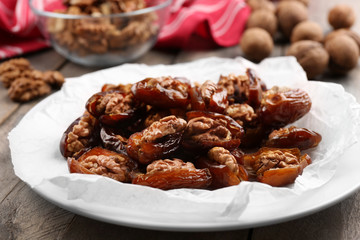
[339, 222]
[24, 214]
[84, 228]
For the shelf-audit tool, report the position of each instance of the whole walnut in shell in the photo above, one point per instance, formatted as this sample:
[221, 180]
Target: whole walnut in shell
[343, 52]
[263, 19]
[344, 31]
[305, 2]
[257, 44]
[307, 30]
[261, 4]
[311, 55]
[341, 16]
[289, 14]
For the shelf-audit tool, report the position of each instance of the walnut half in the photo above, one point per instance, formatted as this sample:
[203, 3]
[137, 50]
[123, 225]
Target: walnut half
[25, 89]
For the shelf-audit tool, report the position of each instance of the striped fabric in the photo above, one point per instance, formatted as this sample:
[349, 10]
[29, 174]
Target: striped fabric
[196, 23]
[18, 31]
[192, 24]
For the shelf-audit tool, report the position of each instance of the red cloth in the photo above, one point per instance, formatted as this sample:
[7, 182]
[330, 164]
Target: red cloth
[18, 31]
[204, 23]
[192, 24]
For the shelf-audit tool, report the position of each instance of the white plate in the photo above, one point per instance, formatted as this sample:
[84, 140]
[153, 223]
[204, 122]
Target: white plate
[34, 146]
[344, 183]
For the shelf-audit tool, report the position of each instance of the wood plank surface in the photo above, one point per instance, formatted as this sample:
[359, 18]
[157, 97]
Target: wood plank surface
[26, 215]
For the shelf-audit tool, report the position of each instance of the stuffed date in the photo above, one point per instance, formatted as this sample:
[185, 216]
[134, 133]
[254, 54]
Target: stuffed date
[170, 174]
[155, 131]
[112, 107]
[208, 97]
[224, 168]
[81, 134]
[158, 140]
[277, 167]
[207, 130]
[103, 162]
[163, 92]
[293, 137]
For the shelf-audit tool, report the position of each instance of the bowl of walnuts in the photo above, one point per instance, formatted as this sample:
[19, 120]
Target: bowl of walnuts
[101, 32]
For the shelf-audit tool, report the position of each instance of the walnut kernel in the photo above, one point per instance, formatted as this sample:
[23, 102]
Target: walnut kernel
[26, 89]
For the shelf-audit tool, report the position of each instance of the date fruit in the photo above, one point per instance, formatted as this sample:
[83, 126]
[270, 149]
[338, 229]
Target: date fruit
[172, 174]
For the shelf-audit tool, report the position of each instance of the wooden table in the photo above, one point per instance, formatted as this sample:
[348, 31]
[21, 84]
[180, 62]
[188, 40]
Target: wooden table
[25, 215]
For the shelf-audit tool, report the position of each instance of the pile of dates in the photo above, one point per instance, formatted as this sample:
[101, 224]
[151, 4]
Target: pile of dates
[166, 133]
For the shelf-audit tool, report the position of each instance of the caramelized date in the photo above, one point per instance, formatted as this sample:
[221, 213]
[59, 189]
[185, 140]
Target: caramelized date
[112, 107]
[255, 89]
[239, 155]
[293, 137]
[282, 106]
[170, 174]
[243, 88]
[243, 114]
[224, 168]
[207, 130]
[156, 114]
[113, 141]
[157, 141]
[103, 162]
[138, 125]
[120, 87]
[163, 92]
[209, 97]
[82, 133]
[277, 167]
[236, 87]
[255, 136]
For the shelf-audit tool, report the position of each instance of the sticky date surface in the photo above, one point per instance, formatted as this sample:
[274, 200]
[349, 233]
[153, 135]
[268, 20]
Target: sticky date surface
[206, 130]
[169, 174]
[293, 137]
[163, 92]
[158, 140]
[277, 167]
[155, 132]
[101, 161]
[282, 106]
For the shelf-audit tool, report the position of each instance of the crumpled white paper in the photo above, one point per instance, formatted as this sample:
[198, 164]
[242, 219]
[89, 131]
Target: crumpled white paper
[34, 145]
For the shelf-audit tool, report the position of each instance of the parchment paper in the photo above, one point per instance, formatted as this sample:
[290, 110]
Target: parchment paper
[34, 145]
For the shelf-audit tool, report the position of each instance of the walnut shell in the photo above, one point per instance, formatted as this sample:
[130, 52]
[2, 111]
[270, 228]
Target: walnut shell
[305, 2]
[311, 55]
[341, 16]
[257, 44]
[343, 52]
[307, 30]
[289, 14]
[264, 19]
[261, 4]
[344, 31]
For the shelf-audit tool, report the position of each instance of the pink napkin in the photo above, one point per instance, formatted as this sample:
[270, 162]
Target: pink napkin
[192, 24]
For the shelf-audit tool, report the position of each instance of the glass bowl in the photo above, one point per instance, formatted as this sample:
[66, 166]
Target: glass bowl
[95, 36]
